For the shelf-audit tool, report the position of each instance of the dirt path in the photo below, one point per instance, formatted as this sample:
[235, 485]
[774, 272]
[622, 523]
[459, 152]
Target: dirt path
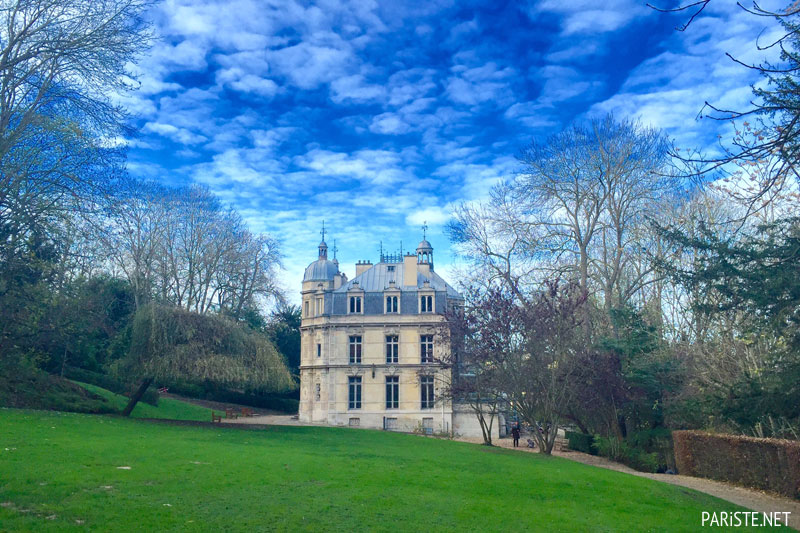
[755, 500]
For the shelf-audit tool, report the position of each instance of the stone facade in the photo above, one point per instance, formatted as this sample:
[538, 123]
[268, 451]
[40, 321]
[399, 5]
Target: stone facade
[366, 345]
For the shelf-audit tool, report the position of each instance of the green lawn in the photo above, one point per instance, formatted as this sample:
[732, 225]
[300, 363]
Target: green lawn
[167, 407]
[61, 472]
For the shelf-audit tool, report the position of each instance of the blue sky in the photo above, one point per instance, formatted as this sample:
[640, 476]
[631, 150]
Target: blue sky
[377, 116]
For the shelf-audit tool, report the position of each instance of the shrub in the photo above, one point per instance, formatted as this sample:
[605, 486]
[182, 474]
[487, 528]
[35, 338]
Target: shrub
[287, 402]
[768, 464]
[621, 451]
[581, 442]
[658, 441]
[110, 383]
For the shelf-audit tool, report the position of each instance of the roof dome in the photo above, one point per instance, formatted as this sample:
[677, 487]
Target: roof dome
[321, 270]
[424, 246]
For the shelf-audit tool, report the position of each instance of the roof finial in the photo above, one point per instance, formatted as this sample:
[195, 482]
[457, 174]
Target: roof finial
[323, 230]
[424, 229]
[335, 249]
[380, 249]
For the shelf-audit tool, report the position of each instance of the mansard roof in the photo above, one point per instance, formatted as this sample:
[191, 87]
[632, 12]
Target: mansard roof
[377, 279]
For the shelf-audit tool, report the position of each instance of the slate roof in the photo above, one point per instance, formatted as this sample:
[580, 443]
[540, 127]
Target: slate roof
[377, 278]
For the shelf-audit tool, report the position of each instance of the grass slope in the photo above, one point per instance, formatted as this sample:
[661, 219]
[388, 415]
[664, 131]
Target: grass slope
[168, 408]
[60, 472]
[31, 388]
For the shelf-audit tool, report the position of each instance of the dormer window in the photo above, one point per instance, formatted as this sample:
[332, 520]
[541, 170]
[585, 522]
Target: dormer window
[426, 303]
[355, 304]
[392, 304]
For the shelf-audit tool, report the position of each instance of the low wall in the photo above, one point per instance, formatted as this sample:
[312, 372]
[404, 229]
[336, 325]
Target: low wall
[767, 464]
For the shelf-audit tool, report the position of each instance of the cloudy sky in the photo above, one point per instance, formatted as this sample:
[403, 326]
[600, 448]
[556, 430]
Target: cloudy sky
[377, 116]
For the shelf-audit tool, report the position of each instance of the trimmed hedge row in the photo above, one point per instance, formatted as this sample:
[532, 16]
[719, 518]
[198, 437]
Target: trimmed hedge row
[109, 383]
[288, 402]
[767, 464]
[581, 442]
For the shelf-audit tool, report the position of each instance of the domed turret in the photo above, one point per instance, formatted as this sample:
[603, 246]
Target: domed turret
[322, 269]
[424, 249]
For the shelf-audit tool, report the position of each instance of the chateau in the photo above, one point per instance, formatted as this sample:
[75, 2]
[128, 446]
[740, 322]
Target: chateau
[370, 351]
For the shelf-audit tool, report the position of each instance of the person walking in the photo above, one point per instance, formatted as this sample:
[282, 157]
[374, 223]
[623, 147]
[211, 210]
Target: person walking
[515, 434]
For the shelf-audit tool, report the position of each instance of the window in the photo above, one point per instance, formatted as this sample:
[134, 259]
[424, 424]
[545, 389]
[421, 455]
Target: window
[320, 307]
[391, 304]
[354, 393]
[426, 391]
[392, 348]
[426, 304]
[319, 350]
[307, 313]
[390, 424]
[390, 268]
[355, 349]
[426, 348]
[318, 393]
[392, 392]
[355, 422]
[355, 304]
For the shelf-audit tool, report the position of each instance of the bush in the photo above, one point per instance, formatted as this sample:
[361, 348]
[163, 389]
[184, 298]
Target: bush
[110, 383]
[622, 452]
[658, 441]
[288, 402]
[767, 464]
[581, 442]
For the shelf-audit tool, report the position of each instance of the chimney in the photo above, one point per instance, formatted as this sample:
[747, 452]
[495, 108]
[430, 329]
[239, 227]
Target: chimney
[363, 266]
[410, 270]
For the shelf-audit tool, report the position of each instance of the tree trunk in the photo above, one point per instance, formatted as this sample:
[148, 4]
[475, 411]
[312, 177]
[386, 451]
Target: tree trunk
[137, 396]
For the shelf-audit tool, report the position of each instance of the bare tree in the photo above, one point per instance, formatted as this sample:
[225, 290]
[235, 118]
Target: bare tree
[591, 189]
[768, 130]
[480, 336]
[539, 377]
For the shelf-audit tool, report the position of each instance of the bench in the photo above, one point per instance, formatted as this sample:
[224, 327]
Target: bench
[216, 417]
[231, 413]
[246, 411]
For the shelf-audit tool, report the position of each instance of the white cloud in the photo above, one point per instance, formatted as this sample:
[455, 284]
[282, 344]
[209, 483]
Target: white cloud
[179, 135]
[590, 17]
[355, 89]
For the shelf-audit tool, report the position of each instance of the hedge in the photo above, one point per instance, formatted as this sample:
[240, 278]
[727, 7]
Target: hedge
[767, 464]
[581, 442]
[287, 402]
[109, 383]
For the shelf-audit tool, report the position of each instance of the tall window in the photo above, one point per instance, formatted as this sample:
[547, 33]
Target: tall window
[426, 304]
[355, 349]
[355, 304]
[320, 308]
[306, 306]
[392, 392]
[354, 392]
[319, 350]
[391, 304]
[426, 391]
[426, 348]
[392, 348]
